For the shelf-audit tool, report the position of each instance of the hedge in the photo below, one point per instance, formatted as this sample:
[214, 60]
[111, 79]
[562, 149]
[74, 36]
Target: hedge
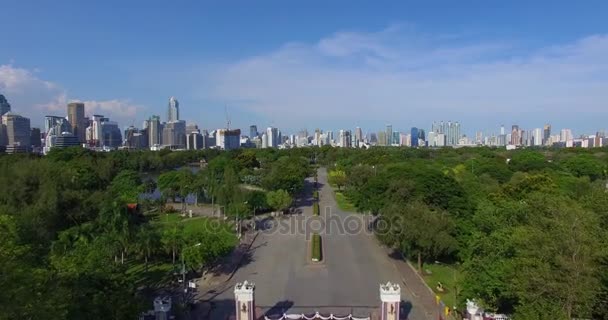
[315, 209]
[315, 195]
[317, 254]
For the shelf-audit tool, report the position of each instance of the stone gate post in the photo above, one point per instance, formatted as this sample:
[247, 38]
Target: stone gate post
[244, 302]
[390, 296]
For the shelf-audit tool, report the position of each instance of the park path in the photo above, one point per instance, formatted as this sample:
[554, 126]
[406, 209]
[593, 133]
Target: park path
[373, 263]
[347, 282]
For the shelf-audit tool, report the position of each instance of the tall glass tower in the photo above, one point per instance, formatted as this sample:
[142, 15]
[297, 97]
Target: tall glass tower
[173, 110]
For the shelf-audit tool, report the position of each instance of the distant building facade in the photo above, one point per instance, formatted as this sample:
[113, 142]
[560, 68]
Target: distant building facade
[77, 120]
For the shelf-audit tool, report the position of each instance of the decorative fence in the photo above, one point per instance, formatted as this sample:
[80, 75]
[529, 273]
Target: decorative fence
[316, 316]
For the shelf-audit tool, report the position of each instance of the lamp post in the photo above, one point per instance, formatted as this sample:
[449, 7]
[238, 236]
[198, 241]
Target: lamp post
[184, 268]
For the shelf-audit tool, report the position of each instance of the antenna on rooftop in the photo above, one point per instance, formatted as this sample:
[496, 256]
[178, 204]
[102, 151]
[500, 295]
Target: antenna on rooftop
[227, 118]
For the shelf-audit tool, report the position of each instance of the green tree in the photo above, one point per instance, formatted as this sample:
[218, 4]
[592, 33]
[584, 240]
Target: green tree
[278, 200]
[418, 231]
[585, 165]
[147, 242]
[527, 161]
[556, 277]
[172, 238]
[337, 178]
[127, 186]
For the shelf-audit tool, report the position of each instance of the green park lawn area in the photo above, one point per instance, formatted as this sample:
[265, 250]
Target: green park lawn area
[158, 274]
[191, 224]
[448, 276]
[343, 203]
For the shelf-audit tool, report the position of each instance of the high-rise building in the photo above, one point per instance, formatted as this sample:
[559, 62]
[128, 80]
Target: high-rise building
[451, 131]
[56, 125]
[173, 110]
[228, 139]
[414, 134]
[155, 131]
[191, 127]
[96, 139]
[546, 133]
[273, 136]
[77, 120]
[358, 136]
[65, 140]
[345, 139]
[264, 142]
[111, 135]
[174, 134]
[515, 135]
[36, 138]
[538, 136]
[18, 133]
[389, 135]
[136, 138]
[565, 135]
[4, 105]
[382, 138]
[253, 131]
[194, 140]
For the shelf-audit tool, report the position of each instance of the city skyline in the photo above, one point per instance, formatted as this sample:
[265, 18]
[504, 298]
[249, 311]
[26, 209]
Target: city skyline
[408, 65]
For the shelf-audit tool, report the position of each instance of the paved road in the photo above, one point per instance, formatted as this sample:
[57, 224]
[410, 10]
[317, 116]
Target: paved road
[346, 282]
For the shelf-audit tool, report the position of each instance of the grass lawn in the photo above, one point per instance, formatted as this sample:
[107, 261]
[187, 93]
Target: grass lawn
[448, 276]
[158, 275]
[343, 203]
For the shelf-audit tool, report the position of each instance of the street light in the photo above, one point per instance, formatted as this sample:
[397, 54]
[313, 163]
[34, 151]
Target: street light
[184, 268]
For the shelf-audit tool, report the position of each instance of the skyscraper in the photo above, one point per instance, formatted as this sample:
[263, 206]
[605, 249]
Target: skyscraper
[18, 132]
[515, 135]
[174, 134]
[546, 133]
[77, 120]
[173, 110]
[389, 135]
[253, 131]
[4, 105]
[345, 139]
[358, 136]
[273, 136]
[414, 134]
[155, 131]
[228, 139]
[97, 139]
[538, 136]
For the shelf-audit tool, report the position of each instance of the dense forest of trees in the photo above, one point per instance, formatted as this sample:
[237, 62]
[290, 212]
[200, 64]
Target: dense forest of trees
[71, 248]
[527, 228]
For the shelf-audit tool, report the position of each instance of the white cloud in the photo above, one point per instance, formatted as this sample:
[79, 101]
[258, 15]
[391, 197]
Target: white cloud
[34, 97]
[407, 79]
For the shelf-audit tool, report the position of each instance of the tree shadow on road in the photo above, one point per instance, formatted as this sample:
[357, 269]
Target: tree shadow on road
[241, 256]
[406, 308]
[396, 255]
[279, 308]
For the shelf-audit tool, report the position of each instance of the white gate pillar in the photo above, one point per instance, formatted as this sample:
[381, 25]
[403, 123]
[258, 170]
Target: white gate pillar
[390, 296]
[244, 302]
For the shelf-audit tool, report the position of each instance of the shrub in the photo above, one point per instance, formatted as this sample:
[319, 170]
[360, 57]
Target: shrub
[317, 254]
[315, 209]
[315, 195]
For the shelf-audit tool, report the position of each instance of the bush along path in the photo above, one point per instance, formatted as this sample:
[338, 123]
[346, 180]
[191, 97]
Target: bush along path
[317, 253]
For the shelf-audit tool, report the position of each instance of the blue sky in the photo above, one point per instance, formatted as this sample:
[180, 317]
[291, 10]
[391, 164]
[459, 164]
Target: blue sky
[308, 64]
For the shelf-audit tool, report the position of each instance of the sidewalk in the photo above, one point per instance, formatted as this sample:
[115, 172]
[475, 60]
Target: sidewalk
[218, 279]
[416, 285]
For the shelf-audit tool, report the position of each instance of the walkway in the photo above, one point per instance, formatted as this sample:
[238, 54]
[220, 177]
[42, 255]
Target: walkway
[348, 280]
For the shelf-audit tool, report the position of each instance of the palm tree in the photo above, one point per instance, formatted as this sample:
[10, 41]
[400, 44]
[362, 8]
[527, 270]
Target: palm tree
[147, 242]
[172, 239]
